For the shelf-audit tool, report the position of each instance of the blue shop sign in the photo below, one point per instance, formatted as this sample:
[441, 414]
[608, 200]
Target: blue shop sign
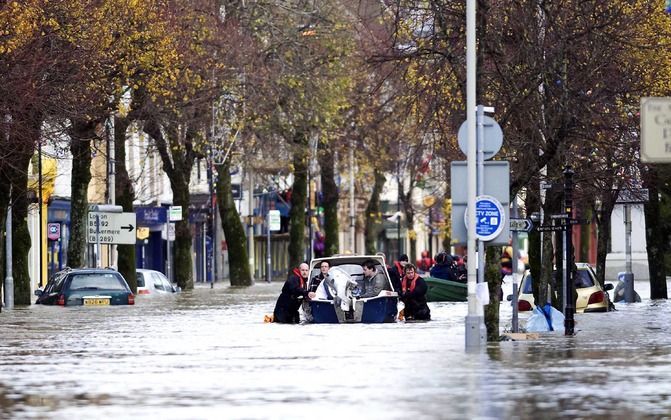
[151, 216]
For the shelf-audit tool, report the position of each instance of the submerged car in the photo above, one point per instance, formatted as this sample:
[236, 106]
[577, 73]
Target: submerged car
[343, 302]
[153, 282]
[590, 296]
[87, 287]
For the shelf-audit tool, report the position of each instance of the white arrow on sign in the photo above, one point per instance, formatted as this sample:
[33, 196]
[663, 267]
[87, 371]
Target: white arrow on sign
[111, 228]
[521, 225]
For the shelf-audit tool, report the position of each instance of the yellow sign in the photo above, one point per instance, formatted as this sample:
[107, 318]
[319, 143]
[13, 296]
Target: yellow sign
[142, 233]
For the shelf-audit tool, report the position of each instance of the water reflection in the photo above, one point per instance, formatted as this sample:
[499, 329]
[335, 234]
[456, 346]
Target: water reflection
[208, 354]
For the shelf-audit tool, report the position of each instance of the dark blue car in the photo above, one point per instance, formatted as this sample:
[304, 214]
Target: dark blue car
[87, 287]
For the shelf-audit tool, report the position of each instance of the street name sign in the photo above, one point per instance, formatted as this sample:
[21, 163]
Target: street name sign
[656, 130]
[549, 228]
[521, 225]
[111, 228]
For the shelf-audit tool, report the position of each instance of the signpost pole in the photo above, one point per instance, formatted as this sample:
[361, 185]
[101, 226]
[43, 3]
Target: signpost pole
[569, 322]
[473, 341]
[481, 190]
[9, 279]
[98, 262]
[515, 263]
[268, 257]
[628, 275]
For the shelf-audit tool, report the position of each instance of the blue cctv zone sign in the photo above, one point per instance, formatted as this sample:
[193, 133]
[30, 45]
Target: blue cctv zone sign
[489, 218]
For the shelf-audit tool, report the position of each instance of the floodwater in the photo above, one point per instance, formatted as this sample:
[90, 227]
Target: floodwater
[206, 354]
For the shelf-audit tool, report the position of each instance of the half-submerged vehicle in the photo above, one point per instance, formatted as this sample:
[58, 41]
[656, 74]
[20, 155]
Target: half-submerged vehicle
[338, 298]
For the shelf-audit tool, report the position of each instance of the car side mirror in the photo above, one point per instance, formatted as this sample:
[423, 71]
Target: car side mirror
[608, 286]
[509, 298]
[38, 292]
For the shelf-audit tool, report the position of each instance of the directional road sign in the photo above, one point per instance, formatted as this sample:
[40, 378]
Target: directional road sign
[111, 228]
[521, 225]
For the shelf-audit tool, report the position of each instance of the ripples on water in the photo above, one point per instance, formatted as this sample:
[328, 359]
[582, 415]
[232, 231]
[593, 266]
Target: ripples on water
[208, 354]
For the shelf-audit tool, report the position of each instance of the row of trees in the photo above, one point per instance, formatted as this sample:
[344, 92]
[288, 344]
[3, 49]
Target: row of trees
[385, 80]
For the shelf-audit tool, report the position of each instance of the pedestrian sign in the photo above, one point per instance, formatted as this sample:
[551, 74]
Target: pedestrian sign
[489, 218]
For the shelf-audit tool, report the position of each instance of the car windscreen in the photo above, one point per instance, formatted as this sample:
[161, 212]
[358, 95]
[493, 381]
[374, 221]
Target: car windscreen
[583, 279]
[140, 279]
[528, 285]
[94, 281]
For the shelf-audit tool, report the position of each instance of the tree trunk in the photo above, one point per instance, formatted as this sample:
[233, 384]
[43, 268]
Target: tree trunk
[177, 158]
[374, 213]
[298, 201]
[81, 134]
[329, 201]
[603, 221]
[234, 232]
[656, 245]
[493, 279]
[125, 195]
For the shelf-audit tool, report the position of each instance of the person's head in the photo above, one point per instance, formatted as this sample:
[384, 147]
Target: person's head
[368, 268]
[324, 267]
[403, 260]
[410, 270]
[304, 269]
[440, 258]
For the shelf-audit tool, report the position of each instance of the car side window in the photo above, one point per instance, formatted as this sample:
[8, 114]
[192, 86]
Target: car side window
[58, 284]
[140, 280]
[583, 279]
[158, 284]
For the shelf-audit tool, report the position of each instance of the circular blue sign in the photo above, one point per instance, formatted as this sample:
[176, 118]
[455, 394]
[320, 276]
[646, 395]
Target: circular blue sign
[489, 218]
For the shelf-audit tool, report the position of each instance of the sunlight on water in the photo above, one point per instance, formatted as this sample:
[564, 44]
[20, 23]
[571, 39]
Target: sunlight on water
[208, 354]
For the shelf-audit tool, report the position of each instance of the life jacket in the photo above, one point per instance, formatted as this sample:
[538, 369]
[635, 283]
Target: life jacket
[297, 272]
[404, 283]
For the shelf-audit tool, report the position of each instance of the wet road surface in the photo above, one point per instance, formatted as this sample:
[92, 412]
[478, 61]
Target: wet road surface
[206, 353]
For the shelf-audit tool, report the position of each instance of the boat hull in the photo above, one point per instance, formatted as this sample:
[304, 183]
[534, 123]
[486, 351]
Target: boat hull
[440, 290]
[375, 310]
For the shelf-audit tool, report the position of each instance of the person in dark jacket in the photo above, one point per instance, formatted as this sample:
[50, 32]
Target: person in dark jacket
[413, 295]
[445, 268]
[293, 293]
[396, 272]
[324, 267]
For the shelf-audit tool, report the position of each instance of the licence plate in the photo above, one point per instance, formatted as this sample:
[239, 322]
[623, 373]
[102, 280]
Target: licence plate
[96, 301]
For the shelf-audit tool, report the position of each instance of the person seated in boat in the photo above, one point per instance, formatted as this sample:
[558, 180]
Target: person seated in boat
[374, 280]
[292, 295]
[445, 268]
[413, 295]
[324, 267]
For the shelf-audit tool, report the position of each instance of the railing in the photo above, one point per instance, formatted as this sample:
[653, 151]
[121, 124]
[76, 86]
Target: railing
[279, 255]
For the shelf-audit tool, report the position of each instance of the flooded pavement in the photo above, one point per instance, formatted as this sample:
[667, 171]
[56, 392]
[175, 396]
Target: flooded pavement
[206, 353]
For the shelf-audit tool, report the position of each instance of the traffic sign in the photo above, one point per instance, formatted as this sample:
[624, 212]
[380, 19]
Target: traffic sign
[53, 231]
[493, 137]
[549, 228]
[274, 220]
[656, 130]
[521, 225]
[111, 228]
[175, 213]
[489, 218]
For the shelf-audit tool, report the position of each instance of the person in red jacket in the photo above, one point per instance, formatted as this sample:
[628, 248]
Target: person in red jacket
[293, 293]
[413, 295]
